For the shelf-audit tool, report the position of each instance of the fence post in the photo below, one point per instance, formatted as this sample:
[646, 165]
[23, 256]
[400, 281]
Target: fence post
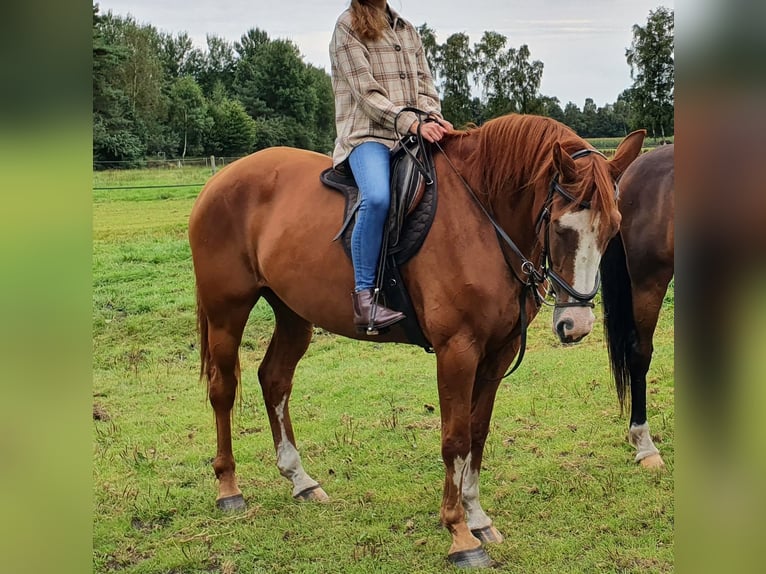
[212, 163]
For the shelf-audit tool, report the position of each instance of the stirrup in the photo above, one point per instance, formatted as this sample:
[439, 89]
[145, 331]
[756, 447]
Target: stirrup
[371, 330]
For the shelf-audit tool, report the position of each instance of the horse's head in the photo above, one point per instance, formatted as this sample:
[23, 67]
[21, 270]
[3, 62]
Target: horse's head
[578, 219]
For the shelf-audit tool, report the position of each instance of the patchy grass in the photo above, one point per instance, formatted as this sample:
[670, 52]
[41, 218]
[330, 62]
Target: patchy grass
[558, 476]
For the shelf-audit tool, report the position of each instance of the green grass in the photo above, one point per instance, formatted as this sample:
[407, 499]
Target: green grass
[151, 176]
[609, 145]
[558, 476]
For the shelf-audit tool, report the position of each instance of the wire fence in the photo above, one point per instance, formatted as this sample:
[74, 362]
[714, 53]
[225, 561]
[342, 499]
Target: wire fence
[163, 163]
[156, 173]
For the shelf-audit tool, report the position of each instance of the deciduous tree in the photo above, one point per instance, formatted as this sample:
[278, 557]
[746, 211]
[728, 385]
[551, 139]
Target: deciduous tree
[188, 117]
[525, 76]
[652, 68]
[491, 73]
[455, 64]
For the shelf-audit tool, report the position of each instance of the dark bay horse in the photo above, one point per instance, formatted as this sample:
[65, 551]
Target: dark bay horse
[263, 227]
[636, 269]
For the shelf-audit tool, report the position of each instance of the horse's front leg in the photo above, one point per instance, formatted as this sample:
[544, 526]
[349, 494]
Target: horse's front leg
[482, 403]
[456, 369]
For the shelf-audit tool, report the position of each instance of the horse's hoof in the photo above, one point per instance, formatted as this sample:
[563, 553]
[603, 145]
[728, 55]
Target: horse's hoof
[653, 461]
[234, 503]
[473, 558]
[313, 494]
[488, 535]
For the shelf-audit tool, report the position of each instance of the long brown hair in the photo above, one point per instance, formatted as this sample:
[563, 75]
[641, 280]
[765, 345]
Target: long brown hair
[366, 20]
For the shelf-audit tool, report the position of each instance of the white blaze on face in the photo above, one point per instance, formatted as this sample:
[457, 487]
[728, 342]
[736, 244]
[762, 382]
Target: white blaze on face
[573, 323]
[288, 459]
[587, 254]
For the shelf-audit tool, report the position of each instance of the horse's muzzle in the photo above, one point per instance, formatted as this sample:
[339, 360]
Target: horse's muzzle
[572, 324]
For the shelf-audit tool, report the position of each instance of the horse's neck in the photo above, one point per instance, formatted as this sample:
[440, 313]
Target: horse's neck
[515, 213]
[514, 210]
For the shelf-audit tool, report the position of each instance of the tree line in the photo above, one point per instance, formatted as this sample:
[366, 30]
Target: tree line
[156, 95]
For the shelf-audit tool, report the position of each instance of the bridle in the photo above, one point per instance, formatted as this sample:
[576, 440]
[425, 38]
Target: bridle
[546, 266]
[533, 277]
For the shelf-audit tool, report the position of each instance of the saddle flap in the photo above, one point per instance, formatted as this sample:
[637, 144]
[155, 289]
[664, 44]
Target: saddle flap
[409, 162]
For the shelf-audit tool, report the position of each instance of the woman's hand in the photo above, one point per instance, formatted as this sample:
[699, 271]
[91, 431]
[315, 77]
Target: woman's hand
[432, 131]
[445, 124]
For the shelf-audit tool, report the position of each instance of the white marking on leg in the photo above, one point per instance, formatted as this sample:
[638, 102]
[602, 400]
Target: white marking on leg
[476, 517]
[288, 459]
[467, 482]
[641, 438]
[459, 465]
[587, 254]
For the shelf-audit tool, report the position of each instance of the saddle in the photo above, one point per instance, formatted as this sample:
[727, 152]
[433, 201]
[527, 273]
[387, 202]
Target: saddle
[413, 206]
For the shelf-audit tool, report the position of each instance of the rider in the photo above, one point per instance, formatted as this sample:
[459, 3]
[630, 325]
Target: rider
[378, 67]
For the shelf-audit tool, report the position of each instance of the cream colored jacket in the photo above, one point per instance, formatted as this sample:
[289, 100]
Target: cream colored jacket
[374, 80]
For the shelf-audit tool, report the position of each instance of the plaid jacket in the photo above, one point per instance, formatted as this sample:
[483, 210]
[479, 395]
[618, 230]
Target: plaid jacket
[373, 80]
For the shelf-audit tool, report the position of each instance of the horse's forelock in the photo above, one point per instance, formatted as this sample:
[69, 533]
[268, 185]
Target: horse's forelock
[595, 186]
[603, 200]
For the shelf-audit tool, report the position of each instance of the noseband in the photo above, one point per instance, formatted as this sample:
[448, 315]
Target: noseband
[536, 276]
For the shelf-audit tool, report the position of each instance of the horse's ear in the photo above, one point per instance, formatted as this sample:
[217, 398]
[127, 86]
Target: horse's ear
[564, 164]
[627, 151]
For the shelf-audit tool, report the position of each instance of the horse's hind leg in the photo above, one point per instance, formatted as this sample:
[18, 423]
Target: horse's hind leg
[224, 333]
[291, 338]
[647, 302]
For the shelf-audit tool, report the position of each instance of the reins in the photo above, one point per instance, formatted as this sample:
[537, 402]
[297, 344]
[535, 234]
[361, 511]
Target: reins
[424, 166]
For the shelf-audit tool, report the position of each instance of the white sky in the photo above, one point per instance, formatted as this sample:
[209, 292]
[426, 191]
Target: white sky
[582, 43]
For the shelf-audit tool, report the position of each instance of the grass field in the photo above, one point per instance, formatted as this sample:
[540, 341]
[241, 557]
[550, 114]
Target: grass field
[558, 475]
[609, 145]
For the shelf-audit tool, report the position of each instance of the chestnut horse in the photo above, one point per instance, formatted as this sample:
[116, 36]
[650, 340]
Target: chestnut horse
[522, 200]
[636, 269]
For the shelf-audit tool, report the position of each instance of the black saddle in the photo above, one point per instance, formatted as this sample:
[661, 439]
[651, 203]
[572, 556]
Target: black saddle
[413, 206]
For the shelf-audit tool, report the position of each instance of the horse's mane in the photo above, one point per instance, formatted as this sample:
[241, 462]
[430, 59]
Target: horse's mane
[514, 152]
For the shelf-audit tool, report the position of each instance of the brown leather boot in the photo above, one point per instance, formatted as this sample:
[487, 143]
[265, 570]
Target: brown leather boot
[382, 316]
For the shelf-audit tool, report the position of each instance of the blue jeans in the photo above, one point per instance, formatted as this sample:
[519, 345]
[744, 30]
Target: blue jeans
[370, 164]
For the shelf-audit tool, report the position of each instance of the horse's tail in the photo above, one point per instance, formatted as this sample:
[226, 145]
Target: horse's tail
[204, 346]
[619, 322]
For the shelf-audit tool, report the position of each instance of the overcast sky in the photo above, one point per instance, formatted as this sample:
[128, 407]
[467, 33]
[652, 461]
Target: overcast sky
[581, 42]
